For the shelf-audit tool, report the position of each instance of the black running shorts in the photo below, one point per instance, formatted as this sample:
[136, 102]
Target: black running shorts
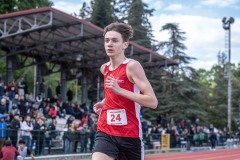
[120, 148]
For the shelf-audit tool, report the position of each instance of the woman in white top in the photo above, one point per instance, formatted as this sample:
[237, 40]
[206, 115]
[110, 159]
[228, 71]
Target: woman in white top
[26, 129]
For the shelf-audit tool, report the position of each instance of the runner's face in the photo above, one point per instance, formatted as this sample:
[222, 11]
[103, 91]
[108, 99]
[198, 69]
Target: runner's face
[114, 44]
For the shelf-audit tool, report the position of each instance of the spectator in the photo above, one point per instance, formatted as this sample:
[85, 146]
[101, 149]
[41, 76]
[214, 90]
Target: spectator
[39, 134]
[90, 107]
[58, 90]
[69, 137]
[84, 134]
[24, 108]
[1, 89]
[69, 120]
[52, 112]
[46, 111]
[197, 122]
[42, 88]
[49, 92]
[31, 98]
[26, 131]
[145, 129]
[39, 100]
[21, 86]
[14, 127]
[84, 119]
[9, 152]
[164, 122]
[15, 103]
[61, 113]
[69, 95]
[23, 151]
[25, 87]
[11, 97]
[50, 134]
[84, 108]
[92, 131]
[13, 84]
[213, 138]
[76, 134]
[3, 130]
[76, 111]
[3, 106]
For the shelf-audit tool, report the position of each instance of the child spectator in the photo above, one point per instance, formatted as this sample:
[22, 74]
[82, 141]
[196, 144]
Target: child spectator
[23, 151]
[8, 151]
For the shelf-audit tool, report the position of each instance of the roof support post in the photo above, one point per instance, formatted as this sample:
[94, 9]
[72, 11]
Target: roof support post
[9, 69]
[63, 83]
[84, 86]
[150, 57]
[81, 31]
[98, 88]
[38, 78]
[165, 64]
[131, 53]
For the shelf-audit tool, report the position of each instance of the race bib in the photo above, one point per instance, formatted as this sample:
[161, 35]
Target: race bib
[117, 117]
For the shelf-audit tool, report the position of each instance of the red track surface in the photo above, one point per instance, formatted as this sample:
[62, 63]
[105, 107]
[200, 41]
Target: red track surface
[233, 154]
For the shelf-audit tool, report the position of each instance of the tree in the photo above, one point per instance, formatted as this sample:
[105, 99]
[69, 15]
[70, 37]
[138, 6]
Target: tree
[29, 4]
[214, 84]
[7, 6]
[134, 12]
[138, 20]
[85, 11]
[180, 92]
[102, 14]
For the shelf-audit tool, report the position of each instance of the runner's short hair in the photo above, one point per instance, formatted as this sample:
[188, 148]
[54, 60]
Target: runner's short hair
[124, 29]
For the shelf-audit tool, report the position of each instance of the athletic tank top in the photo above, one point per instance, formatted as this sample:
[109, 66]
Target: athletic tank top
[120, 116]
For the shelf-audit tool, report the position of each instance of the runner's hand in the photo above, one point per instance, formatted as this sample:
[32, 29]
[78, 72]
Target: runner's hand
[98, 107]
[112, 84]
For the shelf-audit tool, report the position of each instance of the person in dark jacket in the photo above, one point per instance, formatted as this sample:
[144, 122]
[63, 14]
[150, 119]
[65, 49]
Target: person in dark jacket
[11, 97]
[14, 126]
[69, 95]
[1, 89]
[3, 106]
[49, 92]
[213, 139]
[58, 90]
[50, 133]
[39, 135]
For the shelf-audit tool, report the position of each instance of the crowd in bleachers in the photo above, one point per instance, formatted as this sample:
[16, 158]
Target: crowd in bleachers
[34, 119]
[192, 133]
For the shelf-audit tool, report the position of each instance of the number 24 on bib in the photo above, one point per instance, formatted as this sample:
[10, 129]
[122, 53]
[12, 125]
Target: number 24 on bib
[117, 117]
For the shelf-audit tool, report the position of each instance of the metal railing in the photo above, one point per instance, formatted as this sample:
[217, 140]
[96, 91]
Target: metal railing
[56, 142]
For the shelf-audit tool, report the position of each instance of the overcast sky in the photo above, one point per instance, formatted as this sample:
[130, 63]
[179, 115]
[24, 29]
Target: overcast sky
[200, 19]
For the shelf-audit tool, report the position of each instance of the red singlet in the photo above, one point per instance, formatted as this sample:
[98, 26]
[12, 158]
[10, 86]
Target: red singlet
[120, 116]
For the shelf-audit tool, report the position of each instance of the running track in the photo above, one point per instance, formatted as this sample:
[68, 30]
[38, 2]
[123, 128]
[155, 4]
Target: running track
[233, 154]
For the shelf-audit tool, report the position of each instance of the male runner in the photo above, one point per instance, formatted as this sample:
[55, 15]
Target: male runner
[126, 89]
